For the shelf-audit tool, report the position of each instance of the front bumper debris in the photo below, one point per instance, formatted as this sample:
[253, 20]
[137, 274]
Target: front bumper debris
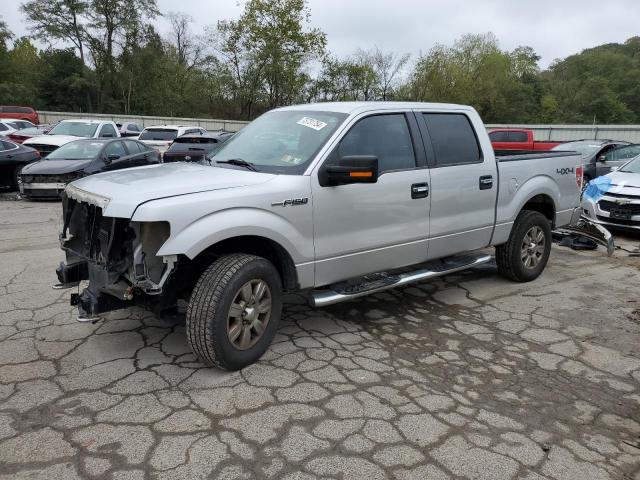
[582, 225]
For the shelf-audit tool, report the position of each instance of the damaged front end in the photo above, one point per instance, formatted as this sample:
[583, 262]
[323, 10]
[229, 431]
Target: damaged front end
[117, 256]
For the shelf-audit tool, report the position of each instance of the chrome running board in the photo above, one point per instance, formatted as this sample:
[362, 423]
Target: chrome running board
[378, 282]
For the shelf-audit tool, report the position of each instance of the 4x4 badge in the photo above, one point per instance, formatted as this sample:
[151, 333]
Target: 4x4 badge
[290, 202]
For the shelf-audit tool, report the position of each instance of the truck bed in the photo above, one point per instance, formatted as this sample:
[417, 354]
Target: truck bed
[523, 176]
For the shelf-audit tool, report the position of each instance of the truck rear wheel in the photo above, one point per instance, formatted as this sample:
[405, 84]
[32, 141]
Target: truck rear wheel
[526, 253]
[234, 311]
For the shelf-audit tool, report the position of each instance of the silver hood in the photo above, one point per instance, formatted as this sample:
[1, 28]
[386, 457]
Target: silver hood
[624, 183]
[120, 192]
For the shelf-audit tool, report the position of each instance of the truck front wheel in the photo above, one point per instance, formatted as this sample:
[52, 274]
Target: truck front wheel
[526, 253]
[234, 311]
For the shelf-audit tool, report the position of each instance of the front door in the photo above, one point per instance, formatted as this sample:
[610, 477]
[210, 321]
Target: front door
[366, 228]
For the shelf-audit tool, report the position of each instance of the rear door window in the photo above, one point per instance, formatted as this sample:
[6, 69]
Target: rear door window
[453, 138]
[115, 148]
[498, 136]
[132, 147]
[519, 137]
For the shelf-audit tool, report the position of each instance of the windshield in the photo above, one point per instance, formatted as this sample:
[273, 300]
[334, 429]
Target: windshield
[582, 148]
[76, 129]
[631, 167]
[82, 150]
[164, 134]
[281, 141]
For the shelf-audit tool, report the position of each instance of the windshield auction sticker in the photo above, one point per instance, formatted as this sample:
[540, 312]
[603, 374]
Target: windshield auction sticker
[311, 123]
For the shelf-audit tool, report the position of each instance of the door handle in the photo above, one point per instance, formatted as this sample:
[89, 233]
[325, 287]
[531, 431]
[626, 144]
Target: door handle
[419, 190]
[486, 182]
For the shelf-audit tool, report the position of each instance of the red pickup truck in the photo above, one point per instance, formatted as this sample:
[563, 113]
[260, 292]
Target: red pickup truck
[517, 139]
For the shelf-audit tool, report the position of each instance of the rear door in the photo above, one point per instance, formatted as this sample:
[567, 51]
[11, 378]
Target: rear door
[463, 183]
[116, 149]
[519, 140]
[371, 227]
[138, 154]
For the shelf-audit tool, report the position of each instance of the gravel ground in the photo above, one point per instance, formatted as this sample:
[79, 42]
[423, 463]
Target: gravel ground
[469, 376]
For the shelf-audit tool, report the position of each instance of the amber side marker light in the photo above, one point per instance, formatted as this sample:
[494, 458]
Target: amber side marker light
[361, 174]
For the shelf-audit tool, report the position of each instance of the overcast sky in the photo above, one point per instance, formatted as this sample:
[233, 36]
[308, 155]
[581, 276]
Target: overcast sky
[554, 28]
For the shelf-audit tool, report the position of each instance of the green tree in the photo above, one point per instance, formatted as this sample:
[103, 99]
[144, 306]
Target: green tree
[264, 52]
[21, 74]
[109, 23]
[501, 85]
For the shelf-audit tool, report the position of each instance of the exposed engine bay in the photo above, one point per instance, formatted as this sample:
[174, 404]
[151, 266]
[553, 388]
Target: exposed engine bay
[117, 256]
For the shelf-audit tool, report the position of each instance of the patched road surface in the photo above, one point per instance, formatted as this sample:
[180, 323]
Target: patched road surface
[469, 377]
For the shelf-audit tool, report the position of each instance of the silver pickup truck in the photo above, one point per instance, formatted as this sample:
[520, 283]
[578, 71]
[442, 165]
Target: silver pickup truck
[336, 199]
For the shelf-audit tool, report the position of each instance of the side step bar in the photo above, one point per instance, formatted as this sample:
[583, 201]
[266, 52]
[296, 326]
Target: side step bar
[383, 281]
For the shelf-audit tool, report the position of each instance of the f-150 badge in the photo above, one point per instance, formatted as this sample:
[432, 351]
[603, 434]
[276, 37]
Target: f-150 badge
[291, 202]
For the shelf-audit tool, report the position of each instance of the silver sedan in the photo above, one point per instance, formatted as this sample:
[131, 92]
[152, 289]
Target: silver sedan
[614, 199]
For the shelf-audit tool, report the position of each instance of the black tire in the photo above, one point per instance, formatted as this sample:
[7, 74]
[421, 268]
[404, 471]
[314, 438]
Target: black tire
[509, 256]
[209, 311]
[16, 172]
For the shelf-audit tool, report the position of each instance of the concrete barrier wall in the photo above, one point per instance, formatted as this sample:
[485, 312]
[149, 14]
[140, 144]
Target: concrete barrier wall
[630, 133]
[146, 121]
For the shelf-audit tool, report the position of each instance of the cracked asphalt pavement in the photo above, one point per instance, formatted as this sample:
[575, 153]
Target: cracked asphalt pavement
[469, 376]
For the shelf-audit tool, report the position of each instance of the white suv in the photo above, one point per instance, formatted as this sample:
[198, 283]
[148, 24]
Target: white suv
[161, 136]
[69, 130]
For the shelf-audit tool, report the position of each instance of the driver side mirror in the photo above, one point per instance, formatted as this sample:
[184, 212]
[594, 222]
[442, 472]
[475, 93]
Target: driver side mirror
[351, 169]
[602, 158]
[109, 159]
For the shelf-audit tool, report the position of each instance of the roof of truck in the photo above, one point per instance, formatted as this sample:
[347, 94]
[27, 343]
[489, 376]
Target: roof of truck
[355, 107]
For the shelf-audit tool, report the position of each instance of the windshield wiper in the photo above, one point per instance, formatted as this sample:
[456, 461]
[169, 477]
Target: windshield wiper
[240, 163]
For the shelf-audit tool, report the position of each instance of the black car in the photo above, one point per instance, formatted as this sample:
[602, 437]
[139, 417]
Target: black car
[594, 155]
[194, 147]
[13, 157]
[49, 177]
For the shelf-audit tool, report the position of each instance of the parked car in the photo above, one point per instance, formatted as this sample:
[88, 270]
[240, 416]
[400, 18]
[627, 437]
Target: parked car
[161, 136]
[616, 157]
[80, 158]
[615, 201]
[69, 130]
[194, 147]
[8, 126]
[19, 136]
[593, 153]
[369, 196]
[128, 129]
[517, 139]
[13, 157]
[22, 113]
[19, 124]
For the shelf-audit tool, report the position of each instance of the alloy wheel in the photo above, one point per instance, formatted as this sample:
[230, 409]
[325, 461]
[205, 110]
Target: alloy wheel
[249, 314]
